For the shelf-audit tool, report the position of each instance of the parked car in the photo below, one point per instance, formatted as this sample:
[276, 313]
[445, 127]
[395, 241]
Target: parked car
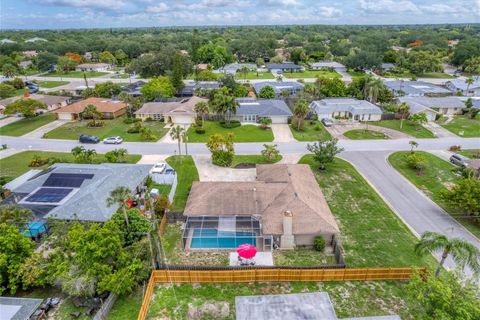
[327, 122]
[86, 138]
[113, 140]
[158, 167]
[459, 160]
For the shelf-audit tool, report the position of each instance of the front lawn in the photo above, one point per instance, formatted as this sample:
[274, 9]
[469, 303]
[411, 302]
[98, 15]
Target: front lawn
[437, 177]
[51, 84]
[20, 92]
[251, 160]
[17, 164]
[75, 74]
[407, 74]
[408, 128]
[186, 174]
[24, 126]
[244, 133]
[253, 75]
[470, 153]
[311, 132]
[311, 74]
[356, 74]
[361, 134]
[115, 127]
[463, 126]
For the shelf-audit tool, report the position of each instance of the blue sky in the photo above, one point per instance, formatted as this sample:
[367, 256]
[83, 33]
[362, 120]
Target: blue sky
[52, 14]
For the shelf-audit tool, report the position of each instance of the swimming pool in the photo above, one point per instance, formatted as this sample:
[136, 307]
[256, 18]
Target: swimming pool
[214, 239]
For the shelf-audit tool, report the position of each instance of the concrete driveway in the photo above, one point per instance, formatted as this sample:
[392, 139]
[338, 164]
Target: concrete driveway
[9, 120]
[282, 133]
[337, 130]
[439, 131]
[39, 132]
[209, 172]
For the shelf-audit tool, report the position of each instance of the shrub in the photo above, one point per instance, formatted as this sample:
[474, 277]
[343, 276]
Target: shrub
[295, 123]
[222, 158]
[149, 119]
[38, 161]
[128, 120]
[95, 124]
[135, 128]
[231, 124]
[416, 162]
[318, 127]
[18, 83]
[200, 130]
[319, 243]
[455, 148]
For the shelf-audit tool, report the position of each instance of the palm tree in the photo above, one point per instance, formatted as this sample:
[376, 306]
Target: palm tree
[301, 111]
[201, 109]
[125, 98]
[413, 144]
[403, 108]
[469, 81]
[244, 71]
[461, 251]
[91, 111]
[176, 133]
[372, 89]
[224, 103]
[120, 196]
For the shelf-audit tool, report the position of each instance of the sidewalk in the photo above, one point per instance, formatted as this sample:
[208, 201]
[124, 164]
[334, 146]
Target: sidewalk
[439, 131]
[38, 133]
[9, 120]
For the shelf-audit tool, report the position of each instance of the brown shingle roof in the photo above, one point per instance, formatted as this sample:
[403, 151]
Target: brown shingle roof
[102, 104]
[278, 188]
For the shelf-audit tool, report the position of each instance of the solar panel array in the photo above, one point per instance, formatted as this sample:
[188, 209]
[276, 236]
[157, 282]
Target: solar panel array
[68, 180]
[49, 195]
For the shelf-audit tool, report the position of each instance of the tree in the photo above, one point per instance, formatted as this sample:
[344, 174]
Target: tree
[121, 57]
[472, 65]
[403, 109]
[159, 87]
[9, 70]
[462, 252]
[297, 55]
[119, 196]
[65, 65]
[265, 122]
[74, 56]
[224, 103]
[45, 60]
[136, 229]
[107, 57]
[201, 109]
[116, 155]
[469, 81]
[300, 111]
[363, 60]
[331, 87]
[259, 62]
[413, 144]
[372, 89]
[177, 73]
[107, 89]
[418, 119]
[6, 91]
[83, 155]
[15, 249]
[126, 98]
[267, 92]
[176, 134]
[270, 152]
[324, 152]
[222, 149]
[465, 196]
[244, 71]
[15, 215]
[206, 75]
[240, 91]
[91, 112]
[27, 107]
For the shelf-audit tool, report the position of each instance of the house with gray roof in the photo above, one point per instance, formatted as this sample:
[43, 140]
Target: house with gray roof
[433, 105]
[191, 86]
[12, 308]
[133, 89]
[251, 110]
[283, 67]
[461, 86]
[416, 88]
[233, 68]
[292, 87]
[346, 108]
[70, 191]
[52, 102]
[328, 64]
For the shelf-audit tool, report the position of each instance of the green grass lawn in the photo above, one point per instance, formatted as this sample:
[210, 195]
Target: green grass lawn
[24, 126]
[115, 127]
[311, 132]
[407, 74]
[127, 307]
[470, 127]
[302, 258]
[408, 128]
[76, 74]
[361, 134]
[51, 84]
[356, 74]
[252, 75]
[186, 174]
[470, 153]
[31, 72]
[19, 92]
[244, 133]
[121, 76]
[312, 74]
[437, 177]
[251, 159]
[17, 164]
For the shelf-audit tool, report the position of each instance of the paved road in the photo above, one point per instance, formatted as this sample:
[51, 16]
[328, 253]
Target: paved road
[413, 207]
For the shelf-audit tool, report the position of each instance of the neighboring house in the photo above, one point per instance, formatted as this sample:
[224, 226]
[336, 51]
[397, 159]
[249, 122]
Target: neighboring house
[461, 86]
[387, 66]
[444, 105]
[328, 64]
[25, 64]
[190, 86]
[179, 111]
[88, 56]
[233, 68]
[30, 54]
[93, 67]
[283, 67]
[52, 102]
[415, 88]
[347, 108]
[77, 191]
[279, 87]
[201, 66]
[36, 39]
[252, 110]
[133, 89]
[109, 108]
[283, 208]
[13, 308]
[7, 41]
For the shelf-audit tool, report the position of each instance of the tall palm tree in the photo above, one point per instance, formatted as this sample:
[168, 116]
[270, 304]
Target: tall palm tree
[372, 89]
[120, 196]
[125, 98]
[469, 81]
[201, 109]
[301, 111]
[176, 133]
[403, 109]
[224, 103]
[461, 251]
[244, 71]
[91, 111]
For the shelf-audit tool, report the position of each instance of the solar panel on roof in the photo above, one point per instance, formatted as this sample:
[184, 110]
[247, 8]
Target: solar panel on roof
[49, 195]
[72, 180]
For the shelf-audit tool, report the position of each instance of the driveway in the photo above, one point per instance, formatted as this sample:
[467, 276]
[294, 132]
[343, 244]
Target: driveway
[337, 130]
[152, 158]
[39, 132]
[209, 172]
[9, 120]
[282, 133]
[439, 131]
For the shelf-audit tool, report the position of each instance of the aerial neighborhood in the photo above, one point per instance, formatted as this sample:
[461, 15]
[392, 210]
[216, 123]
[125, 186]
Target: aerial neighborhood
[248, 172]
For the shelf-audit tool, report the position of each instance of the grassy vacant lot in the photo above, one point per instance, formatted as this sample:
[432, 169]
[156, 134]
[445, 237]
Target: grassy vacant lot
[470, 127]
[312, 74]
[115, 127]
[186, 174]
[252, 75]
[408, 128]
[437, 177]
[24, 126]
[244, 133]
[470, 153]
[361, 134]
[51, 84]
[251, 159]
[311, 132]
[76, 74]
[17, 164]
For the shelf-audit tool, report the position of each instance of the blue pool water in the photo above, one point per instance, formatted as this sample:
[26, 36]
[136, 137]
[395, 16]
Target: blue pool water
[212, 238]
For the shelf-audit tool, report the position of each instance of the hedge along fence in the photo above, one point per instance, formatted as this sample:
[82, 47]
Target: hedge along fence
[248, 275]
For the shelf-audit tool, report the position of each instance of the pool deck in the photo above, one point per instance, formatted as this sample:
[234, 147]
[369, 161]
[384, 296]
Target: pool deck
[261, 259]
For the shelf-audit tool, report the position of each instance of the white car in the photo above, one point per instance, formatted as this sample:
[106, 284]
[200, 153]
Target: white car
[158, 168]
[113, 140]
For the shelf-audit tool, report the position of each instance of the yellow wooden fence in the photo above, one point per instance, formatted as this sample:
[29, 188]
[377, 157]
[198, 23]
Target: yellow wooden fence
[163, 224]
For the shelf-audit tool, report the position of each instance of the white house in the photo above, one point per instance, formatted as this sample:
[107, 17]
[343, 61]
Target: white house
[328, 64]
[347, 108]
[433, 105]
[461, 86]
[416, 88]
[93, 67]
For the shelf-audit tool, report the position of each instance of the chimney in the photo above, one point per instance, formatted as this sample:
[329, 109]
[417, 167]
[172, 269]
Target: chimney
[287, 240]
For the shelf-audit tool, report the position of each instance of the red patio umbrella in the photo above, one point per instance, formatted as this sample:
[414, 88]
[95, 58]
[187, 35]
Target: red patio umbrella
[246, 251]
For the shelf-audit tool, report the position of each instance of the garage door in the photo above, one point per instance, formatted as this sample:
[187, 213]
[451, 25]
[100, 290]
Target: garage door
[279, 119]
[64, 116]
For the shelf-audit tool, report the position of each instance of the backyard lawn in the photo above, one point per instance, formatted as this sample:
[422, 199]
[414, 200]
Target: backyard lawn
[186, 174]
[408, 128]
[252, 75]
[24, 126]
[469, 127]
[307, 74]
[244, 133]
[361, 134]
[76, 74]
[51, 84]
[115, 127]
[302, 258]
[17, 164]
[311, 132]
[436, 178]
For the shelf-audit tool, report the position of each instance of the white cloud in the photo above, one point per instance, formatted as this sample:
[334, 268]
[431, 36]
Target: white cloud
[329, 12]
[162, 7]
[282, 2]
[104, 4]
[388, 6]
